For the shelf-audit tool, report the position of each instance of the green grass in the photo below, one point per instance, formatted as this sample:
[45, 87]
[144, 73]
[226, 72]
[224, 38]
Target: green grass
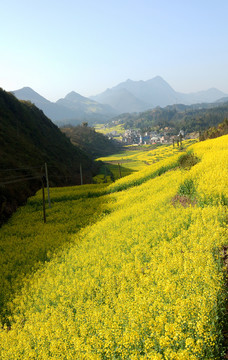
[105, 130]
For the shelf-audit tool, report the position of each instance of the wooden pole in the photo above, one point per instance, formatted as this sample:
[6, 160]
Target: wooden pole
[119, 170]
[81, 174]
[105, 175]
[44, 210]
[46, 174]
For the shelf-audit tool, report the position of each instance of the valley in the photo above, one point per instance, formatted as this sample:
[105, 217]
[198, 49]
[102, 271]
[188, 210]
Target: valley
[114, 180]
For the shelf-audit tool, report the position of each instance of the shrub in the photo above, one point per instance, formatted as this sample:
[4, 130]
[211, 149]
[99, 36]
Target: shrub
[187, 188]
[188, 160]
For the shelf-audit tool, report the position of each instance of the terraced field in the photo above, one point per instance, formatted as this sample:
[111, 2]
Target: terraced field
[126, 270]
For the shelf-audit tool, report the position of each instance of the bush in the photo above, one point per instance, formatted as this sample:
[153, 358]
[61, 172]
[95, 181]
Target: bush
[187, 189]
[188, 160]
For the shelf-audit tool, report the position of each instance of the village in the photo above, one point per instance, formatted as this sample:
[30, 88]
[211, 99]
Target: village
[137, 137]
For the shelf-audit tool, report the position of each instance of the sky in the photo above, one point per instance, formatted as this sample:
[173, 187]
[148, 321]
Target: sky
[87, 46]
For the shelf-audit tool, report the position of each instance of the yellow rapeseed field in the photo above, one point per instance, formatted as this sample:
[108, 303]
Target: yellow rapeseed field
[139, 159]
[131, 270]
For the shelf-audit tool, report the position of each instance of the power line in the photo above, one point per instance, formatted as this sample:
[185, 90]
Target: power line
[12, 179]
[19, 180]
[17, 177]
[17, 169]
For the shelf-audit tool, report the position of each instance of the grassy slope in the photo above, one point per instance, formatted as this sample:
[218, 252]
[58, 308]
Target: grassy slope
[143, 281]
[136, 159]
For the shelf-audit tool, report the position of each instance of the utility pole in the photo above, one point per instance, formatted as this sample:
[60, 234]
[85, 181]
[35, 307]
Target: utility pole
[119, 170]
[81, 174]
[105, 180]
[46, 174]
[44, 211]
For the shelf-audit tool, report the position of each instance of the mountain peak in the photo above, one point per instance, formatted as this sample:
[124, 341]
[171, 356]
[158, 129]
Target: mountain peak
[73, 93]
[25, 90]
[27, 93]
[72, 96]
[158, 78]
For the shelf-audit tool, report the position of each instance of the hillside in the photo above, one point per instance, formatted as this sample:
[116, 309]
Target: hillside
[197, 117]
[132, 270]
[214, 132]
[28, 139]
[93, 143]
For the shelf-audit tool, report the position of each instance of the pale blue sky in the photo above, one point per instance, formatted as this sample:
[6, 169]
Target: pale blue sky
[87, 46]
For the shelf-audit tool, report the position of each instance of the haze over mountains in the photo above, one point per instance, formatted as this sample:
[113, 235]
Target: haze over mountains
[73, 109]
[129, 96]
[150, 94]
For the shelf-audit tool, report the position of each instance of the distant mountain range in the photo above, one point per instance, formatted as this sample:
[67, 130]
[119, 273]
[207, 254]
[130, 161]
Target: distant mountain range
[150, 94]
[73, 109]
[127, 97]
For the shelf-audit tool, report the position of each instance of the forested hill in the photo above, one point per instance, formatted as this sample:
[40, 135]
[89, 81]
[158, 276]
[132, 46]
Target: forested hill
[214, 132]
[189, 118]
[28, 139]
[92, 142]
